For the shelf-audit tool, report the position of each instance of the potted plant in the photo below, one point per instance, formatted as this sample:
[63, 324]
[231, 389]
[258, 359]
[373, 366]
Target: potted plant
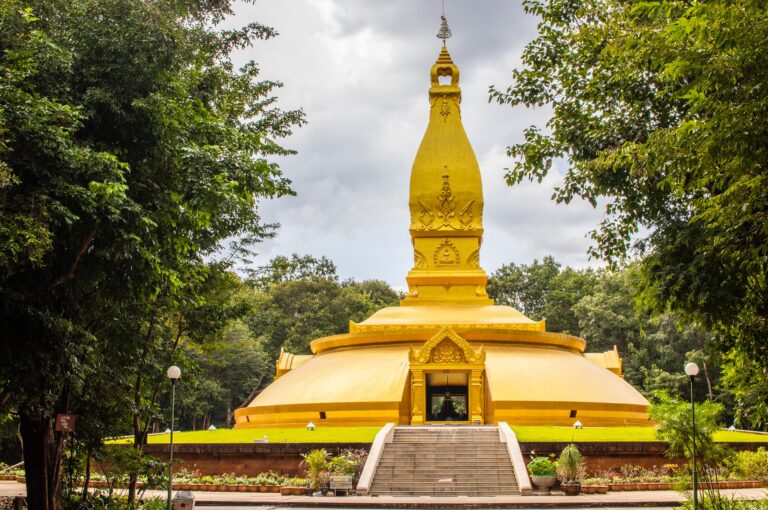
[543, 472]
[342, 471]
[601, 485]
[569, 466]
[589, 486]
[315, 462]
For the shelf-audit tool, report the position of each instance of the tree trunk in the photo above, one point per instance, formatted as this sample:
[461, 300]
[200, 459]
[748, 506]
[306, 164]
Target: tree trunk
[87, 477]
[139, 440]
[709, 383]
[42, 464]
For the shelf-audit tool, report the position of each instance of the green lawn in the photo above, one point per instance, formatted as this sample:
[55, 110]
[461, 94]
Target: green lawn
[618, 434]
[275, 435]
[366, 435]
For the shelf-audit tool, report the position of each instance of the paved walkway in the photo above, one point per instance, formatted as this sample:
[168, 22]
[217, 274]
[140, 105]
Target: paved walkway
[610, 500]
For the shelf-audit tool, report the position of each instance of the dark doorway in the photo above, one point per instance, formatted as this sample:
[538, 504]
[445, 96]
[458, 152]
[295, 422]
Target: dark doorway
[449, 401]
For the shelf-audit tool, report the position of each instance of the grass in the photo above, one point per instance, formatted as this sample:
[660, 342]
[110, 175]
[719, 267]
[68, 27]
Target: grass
[275, 435]
[617, 434]
[366, 435]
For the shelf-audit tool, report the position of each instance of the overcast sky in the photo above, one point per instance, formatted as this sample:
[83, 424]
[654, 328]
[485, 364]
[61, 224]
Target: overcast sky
[360, 71]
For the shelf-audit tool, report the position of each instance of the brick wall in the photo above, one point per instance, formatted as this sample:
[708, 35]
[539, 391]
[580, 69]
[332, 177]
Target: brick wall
[252, 459]
[246, 459]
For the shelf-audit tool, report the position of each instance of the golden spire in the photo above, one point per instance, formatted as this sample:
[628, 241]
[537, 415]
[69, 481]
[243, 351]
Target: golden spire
[446, 200]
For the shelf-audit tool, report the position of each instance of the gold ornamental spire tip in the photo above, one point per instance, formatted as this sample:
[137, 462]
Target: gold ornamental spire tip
[444, 32]
[444, 57]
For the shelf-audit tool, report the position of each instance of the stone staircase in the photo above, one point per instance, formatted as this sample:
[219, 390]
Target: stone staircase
[445, 461]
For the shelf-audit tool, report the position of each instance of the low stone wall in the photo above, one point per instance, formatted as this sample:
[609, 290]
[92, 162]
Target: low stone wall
[246, 459]
[252, 459]
[602, 457]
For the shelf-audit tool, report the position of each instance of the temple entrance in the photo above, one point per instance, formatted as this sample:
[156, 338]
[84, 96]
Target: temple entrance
[447, 395]
[447, 380]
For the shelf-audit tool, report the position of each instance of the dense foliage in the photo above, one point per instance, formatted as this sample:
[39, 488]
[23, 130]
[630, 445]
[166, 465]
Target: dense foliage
[130, 149]
[660, 112]
[601, 307]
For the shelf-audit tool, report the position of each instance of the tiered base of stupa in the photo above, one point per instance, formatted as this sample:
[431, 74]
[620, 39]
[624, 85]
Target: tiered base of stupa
[447, 364]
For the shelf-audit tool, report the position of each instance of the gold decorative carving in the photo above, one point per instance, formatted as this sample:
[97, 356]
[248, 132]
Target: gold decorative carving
[446, 254]
[419, 261]
[446, 211]
[474, 259]
[446, 344]
[465, 217]
[524, 326]
[446, 205]
[425, 217]
[445, 110]
[446, 352]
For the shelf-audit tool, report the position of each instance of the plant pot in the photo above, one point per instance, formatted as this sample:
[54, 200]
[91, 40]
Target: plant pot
[588, 489]
[544, 482]
[654, 486]
[571, 488]
[262, 488]
[616, 487]
[628, 486]
[286, 491]
[601, 489]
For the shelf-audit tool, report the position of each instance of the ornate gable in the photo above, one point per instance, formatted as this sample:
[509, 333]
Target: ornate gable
[447, 346]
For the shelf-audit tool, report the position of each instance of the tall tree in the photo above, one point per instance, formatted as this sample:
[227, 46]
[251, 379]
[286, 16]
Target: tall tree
[301, 299]
[660, 109]
[541, 290]
[130, 148]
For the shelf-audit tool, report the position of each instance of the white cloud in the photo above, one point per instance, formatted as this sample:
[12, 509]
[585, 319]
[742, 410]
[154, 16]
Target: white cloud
[360, 70]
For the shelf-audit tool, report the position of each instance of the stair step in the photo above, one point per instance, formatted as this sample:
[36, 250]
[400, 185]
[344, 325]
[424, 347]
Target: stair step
[474, 460]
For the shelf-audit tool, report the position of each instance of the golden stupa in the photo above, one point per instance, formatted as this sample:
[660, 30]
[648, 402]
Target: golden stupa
[447, 354]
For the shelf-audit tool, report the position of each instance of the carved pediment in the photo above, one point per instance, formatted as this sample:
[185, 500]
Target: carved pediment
[447, 347]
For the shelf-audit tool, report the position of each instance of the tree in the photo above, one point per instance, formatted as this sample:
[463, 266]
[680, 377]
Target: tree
[305, 301]
[660, 110]
[524, 287]
[226, 370]
[130, 149]
[299, 267]
[676, 429]
[542, 290]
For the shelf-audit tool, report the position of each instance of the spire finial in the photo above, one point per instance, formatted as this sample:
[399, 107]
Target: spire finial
[444, 32]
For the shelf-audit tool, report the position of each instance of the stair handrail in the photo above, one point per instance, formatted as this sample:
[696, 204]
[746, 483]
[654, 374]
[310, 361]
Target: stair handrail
[516, 456]
[383, 437]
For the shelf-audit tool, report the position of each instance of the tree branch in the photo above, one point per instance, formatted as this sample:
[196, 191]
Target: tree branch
[70, 273]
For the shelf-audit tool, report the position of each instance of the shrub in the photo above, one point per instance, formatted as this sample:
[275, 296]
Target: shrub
[315, 461]
[570, 463]
[751, 465]
[358, 456]
[342, 466]
[542, 466]
[675, 428]
[717, 501]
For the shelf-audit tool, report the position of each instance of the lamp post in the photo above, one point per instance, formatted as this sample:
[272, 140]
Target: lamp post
[173, 374]
[692, 370]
